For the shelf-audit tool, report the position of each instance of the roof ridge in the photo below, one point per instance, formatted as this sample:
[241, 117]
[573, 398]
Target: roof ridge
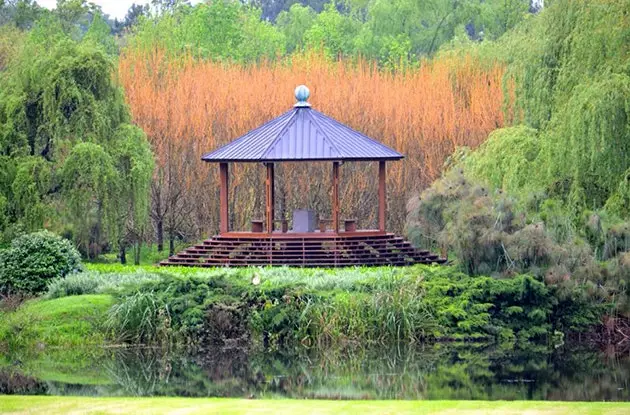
[248, 134]
[289, 122]
[330, 140]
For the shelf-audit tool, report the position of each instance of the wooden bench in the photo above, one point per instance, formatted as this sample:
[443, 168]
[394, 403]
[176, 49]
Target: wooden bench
[324, 224]
[350, 225]
[257, 225]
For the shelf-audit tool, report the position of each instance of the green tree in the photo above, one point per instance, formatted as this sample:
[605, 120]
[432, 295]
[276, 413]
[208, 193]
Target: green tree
[334, 32]
[570, 68]
[30, 187]
[21, 13]
[260, 38]
[221, 29]
[99, 33]
[134, 164]
[70, 160]
[91, 186]
[294, 23]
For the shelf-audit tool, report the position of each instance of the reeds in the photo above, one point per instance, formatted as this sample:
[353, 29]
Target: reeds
[188, 107]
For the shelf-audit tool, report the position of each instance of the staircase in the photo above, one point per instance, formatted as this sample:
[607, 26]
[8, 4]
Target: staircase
[333, 251]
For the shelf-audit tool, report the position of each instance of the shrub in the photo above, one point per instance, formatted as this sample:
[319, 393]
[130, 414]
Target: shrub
[383, 306]
[35, 259]
[488, 233]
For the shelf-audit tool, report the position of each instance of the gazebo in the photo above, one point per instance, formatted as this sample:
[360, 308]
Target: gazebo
[302, 135]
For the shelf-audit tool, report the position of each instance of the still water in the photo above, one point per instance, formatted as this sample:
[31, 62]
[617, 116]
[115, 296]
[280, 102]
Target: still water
[436, 371]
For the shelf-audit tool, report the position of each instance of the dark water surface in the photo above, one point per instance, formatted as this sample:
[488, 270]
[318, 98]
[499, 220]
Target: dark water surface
[437, 371]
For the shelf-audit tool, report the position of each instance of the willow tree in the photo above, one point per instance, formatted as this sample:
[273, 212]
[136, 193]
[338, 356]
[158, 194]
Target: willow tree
[62, 112]
[90, 187]
[570, 68]
[134, 164]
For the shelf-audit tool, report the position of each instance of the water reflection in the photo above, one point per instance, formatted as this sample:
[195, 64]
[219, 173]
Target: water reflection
[437, 371]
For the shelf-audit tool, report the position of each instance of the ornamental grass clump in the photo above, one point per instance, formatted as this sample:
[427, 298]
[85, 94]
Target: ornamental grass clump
[142, 318]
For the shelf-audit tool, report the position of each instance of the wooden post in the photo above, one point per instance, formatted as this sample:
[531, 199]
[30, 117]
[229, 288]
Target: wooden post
[269, 184]
[224, 181]
[335, 197]
[382, 196]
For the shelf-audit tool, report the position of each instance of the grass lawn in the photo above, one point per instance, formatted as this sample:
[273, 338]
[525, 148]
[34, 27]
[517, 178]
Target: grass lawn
[67, 321]
[52, 405]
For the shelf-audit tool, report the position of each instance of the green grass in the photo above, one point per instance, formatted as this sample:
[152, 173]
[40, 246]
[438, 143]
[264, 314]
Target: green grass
[351, 278]
[62, 405]
[67, 321]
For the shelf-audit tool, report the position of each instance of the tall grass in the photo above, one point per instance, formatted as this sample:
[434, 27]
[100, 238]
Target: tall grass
[140, 319]
[97, 283]
[189, 107]
[391, 310]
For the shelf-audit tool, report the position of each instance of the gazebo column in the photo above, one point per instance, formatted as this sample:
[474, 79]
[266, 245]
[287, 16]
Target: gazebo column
[382, 196]
[270, 197]
[335, 197]
[223, 198]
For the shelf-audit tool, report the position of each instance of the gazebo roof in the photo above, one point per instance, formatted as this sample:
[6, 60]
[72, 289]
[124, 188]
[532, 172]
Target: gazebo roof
[302, 134]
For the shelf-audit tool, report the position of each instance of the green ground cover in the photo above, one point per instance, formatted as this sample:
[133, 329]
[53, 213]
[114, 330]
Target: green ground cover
[68, 321]
[64, 405]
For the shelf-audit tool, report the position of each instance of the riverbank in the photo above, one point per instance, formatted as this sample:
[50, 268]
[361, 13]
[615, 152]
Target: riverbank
[64, 405]
[280, 307]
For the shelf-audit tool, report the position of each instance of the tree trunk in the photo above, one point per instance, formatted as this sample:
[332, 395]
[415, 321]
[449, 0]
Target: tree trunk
[123, 254]
[160, 235]
[136, 253]
[171, 245]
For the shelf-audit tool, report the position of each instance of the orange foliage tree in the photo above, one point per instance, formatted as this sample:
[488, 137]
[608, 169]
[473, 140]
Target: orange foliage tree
[190, 107]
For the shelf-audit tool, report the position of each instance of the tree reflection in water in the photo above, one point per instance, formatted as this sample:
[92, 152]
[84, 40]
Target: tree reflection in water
[432, 371]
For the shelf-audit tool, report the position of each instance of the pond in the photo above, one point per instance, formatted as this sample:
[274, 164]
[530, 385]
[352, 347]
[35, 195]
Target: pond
[572, 372]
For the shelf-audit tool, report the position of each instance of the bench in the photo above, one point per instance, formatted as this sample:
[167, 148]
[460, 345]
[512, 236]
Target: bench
[257, 225]
[324, 224]
[349, 225]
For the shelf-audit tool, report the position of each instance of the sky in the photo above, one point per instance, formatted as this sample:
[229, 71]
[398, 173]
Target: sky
[115, 8]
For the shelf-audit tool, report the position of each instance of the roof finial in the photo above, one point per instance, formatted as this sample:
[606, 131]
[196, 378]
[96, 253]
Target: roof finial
[301, 94]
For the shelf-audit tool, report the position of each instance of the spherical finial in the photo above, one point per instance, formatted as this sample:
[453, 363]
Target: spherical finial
[301, 94]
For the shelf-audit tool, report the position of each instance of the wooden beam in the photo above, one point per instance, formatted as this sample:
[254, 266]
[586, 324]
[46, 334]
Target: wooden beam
[335, 197]
[224, 182]
[270, 197]
[382, 196]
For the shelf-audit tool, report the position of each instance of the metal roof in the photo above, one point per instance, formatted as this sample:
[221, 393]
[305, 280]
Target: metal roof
[302, 134]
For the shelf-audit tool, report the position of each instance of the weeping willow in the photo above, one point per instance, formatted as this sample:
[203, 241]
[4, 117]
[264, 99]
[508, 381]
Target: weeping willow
[63, 113]
[572, 71]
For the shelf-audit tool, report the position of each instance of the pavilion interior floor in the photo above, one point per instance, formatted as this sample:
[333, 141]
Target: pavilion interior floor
[314, 249]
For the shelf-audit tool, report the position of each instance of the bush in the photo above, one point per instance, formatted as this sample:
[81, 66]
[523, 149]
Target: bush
[489, 234]
[382, 306]
[35, 259]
